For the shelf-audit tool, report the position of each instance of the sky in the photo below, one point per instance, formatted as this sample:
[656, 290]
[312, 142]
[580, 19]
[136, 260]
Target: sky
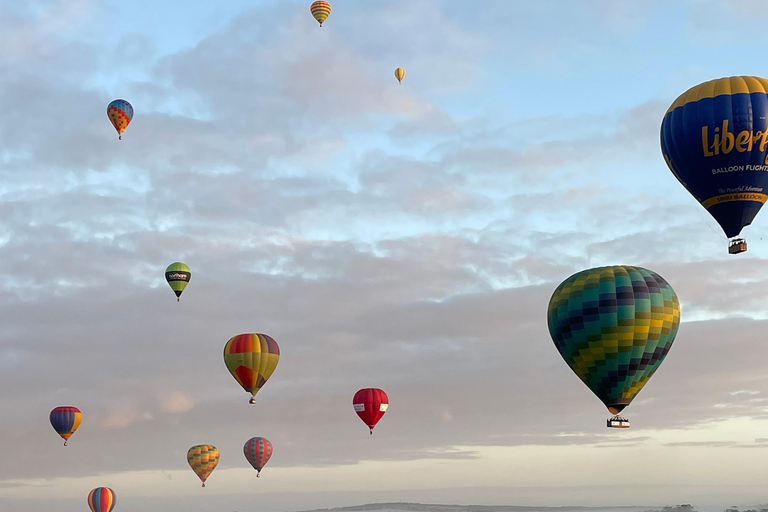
[406, 237]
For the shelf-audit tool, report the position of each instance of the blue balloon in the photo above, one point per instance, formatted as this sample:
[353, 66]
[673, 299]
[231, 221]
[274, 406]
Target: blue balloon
[65, 420]
[714, 139]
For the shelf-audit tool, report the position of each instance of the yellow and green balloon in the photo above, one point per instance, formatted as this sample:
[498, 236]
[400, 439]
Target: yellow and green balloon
[320, 11]
[251, 359]
[178, 275]
[203, 459]
[614, 326]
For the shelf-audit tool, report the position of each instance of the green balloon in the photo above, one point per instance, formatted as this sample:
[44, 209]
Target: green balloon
[614, 326]
[178, 275]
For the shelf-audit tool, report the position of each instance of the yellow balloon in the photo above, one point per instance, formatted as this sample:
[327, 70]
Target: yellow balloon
[203, 459]
[251, 358]
[320, 11]
[400, 74]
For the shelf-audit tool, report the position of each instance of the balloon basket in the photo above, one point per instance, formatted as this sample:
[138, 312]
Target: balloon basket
[737, 245]
[617, 422]
[252, 400]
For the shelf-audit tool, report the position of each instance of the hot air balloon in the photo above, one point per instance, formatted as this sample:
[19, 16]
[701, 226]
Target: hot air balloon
[178, 275]
[102, 499]
[251, 359]
[65, 420]
[203, 459]
[400, 74]
[714, 138]
[614, 326]
[257, 450]
[120, 112]
[370, 404]
[320, 10]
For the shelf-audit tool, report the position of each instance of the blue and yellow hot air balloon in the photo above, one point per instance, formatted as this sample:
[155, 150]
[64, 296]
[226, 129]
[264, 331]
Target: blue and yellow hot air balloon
[65, 420]
[614, 326]
[714, 139]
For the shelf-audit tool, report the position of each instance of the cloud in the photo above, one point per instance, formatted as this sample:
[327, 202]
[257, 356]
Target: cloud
[176, 402]
[708, 444]
[31, 33]
[121, 416]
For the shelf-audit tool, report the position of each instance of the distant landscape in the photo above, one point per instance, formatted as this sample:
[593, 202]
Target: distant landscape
[425, 507]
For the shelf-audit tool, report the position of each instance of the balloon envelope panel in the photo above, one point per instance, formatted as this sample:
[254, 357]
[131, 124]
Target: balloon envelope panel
[614, 326]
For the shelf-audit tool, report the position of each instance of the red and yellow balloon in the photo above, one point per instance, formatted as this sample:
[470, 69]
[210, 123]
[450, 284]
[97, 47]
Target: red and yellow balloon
[320, 11]
[251, 359]
[120, 113]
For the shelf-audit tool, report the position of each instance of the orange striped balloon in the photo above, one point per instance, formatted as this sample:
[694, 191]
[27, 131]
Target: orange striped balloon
[320, 10]
[65, 420]
[102, 499]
